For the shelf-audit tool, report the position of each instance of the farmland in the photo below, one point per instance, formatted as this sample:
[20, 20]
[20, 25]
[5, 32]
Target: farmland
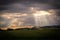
[25, 33]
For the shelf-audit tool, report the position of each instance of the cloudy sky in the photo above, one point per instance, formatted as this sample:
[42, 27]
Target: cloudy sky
[23, 5]
[23, 9]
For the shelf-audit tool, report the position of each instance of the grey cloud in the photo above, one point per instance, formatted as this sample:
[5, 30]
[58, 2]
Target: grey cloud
[20, 7]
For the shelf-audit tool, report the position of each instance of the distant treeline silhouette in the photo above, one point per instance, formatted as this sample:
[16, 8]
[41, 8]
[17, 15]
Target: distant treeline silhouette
[34, 28]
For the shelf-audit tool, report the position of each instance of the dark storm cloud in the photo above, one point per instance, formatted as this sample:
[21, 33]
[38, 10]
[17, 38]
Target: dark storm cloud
[19, 7]
[5, 3]
[23, 5]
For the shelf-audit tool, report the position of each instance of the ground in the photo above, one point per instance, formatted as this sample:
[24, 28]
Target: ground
[40, 33]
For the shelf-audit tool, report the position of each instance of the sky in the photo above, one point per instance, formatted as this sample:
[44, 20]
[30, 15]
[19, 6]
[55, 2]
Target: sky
[23, 9]
[19, 5]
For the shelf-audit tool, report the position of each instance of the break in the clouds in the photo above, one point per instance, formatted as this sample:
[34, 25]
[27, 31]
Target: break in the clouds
[8, 19]
[36, 18]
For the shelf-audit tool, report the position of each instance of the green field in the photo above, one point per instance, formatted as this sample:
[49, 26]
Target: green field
[40, 33]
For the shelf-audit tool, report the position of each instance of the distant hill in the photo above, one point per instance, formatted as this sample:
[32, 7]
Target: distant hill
[53, 26]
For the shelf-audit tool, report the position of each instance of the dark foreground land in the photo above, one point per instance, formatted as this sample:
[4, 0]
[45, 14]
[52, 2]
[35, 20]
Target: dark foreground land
[28, 34]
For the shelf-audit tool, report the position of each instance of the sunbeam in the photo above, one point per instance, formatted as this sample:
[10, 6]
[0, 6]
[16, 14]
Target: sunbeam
[44, 18]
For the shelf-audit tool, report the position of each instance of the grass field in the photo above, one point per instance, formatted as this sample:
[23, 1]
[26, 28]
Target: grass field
[40, 33]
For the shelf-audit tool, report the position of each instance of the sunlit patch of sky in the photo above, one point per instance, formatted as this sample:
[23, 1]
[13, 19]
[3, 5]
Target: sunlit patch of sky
[44, 18]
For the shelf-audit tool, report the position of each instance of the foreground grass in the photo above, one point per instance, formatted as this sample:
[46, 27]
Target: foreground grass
[42, 32]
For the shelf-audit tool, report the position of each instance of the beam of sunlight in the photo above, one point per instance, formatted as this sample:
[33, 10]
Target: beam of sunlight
[40, 18]
[44, 18]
